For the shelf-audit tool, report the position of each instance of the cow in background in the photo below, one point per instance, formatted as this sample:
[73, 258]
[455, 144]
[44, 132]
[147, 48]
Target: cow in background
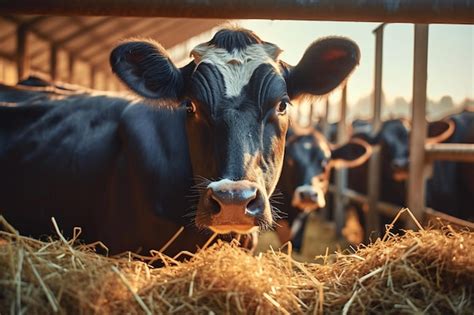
[309, 159]
[393, 139]
[205, 151]
[451, 187]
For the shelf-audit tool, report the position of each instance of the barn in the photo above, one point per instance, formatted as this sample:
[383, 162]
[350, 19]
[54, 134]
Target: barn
[159, 157]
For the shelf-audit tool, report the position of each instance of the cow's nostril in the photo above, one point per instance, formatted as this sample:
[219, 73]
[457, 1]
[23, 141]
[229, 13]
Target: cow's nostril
[308, 195]
[214, 206]
[255, 206]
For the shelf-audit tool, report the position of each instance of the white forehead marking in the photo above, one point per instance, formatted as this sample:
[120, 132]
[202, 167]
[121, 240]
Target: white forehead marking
[307, 145]
[237, 66]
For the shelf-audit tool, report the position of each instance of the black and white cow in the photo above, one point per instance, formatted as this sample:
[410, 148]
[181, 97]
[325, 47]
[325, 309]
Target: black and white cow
[309, 159]
[129, 171]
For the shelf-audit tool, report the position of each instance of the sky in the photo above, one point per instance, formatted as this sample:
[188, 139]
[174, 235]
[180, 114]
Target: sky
[450, 57]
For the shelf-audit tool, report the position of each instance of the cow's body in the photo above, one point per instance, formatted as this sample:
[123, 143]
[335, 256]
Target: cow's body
[116, 156]
[206, 152]
[449, 189]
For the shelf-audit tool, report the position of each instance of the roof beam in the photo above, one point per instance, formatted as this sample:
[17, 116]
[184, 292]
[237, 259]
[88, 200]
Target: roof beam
[107, 44]
[400, 11]
[169, 39]
[83, 31]
[17, 21]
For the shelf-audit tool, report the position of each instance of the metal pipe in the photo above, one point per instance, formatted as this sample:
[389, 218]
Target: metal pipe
[436, 218]
[400, 11]
[460, 152]
[418, 167]
[325, 118]
[373, 183]
[341, 174]
[382, 207]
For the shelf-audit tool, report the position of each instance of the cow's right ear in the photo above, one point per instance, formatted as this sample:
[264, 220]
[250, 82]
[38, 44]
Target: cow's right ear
[146, 68]
[367, 137]
[439, 131]
[351, 154]
[323, 67]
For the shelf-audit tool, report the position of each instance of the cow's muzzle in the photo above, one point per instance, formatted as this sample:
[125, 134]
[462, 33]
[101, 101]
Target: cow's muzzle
[234, 206]
[308, 198]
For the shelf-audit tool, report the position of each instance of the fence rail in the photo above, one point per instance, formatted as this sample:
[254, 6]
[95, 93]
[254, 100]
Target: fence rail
[400, 11]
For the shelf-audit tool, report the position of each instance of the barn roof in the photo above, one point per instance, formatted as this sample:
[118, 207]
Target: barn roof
[89, 40]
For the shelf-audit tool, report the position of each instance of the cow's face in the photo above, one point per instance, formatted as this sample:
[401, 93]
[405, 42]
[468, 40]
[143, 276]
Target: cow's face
[394, 138]
[236, 92]
[308, 161]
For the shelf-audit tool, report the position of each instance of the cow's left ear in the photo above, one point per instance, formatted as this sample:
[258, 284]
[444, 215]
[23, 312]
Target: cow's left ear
[325, 64]
[351, 154]
[439, 131]
[145, 67]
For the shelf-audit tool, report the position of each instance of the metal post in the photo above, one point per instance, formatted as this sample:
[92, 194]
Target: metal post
[23, 64]
[53, 62]
[325, 119]
[341, 174]
[372, 218]
[71, 64]
[311, 113]
[416, 176]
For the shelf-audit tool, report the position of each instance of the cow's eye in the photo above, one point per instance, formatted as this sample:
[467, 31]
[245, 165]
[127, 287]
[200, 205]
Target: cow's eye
[190, 107]
[281, 108]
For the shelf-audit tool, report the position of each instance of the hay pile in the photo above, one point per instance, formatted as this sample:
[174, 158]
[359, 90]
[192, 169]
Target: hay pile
[428, 271]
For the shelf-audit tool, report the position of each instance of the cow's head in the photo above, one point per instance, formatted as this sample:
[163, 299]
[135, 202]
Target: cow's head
[308, 161]
[236, 92]
[394, 139]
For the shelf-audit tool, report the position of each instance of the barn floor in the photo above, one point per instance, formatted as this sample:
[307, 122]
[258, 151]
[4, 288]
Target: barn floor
[319, 236]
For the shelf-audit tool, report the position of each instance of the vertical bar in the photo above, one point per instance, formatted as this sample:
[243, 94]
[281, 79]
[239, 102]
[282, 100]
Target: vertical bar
[23, 64]
[416, 176]
[53, 62]
[325, 213]
[71, 64]
[325, 119]
[311, 113]
[341, 174]
[372, 217]
[2, 70]
[92, 74]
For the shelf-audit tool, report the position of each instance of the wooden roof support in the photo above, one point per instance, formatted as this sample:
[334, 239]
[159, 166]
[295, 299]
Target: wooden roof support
[15, 20]
[35, 21]
[71, 66]
[36, 53]
[400, 11]
[22, 61]
[53, 61]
